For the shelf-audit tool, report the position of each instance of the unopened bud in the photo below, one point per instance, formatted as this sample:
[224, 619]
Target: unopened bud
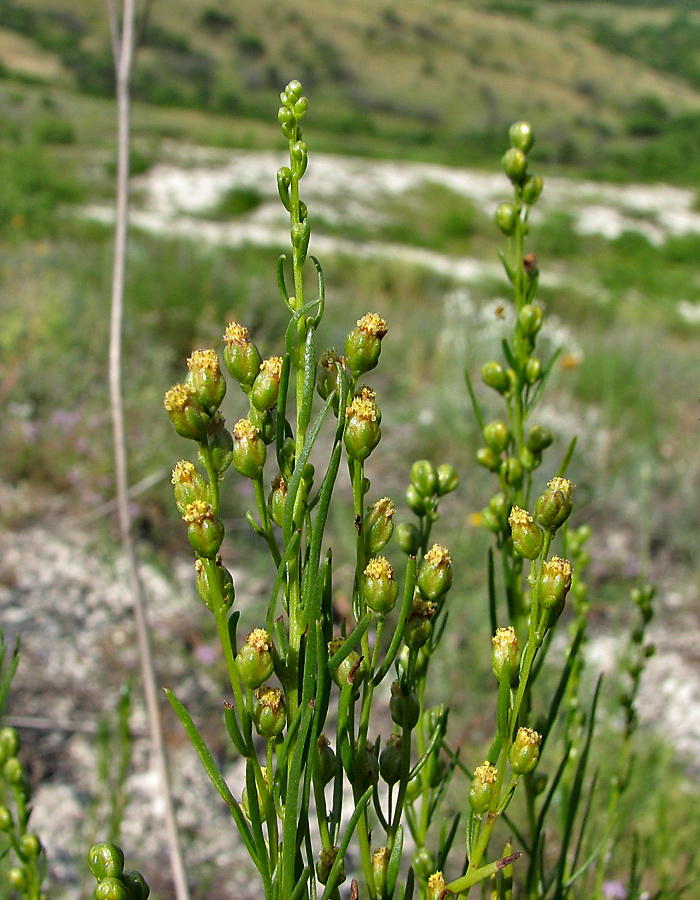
[533, 370]
[514, 164]
[206, 380]
[136, 885]
[188, 485]
[553, 586]
[497, 436]
[204, 529]
[328, 762]
[368, 767]
[364, 344]
[378, 526]
[404, 708]
[12, 771]
[106, 860]
[448, 479]
[554, 506]
[539, 439]
[424, 478]
[325, 862]
[380, 862]
[488, 458]
[530, 319]
[520, 136]
[269, 712]
[505, 655]
[362, 431]
[495, 376]
[187, 414]
[437, 887]
[418, 625]
[241, 356]
[6, 823]
[511, 471]
[330, 372]
[414, 501]
[408, 538]
[265, 389]
[277, 500]
[506, 218]
[527, 536]
[435, 573]
[380, 587]
[254, 662]
[532, 189]
[525, 751]
[220, 443]
[224, 588]
[351, 670]
[249, 450]
[390, 759]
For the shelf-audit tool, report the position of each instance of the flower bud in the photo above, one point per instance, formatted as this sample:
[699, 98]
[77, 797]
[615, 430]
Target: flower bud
[269, 712]
[265, 390]
[277, 499]
[9, 742]
[30, 846]
[495, 376]
[206, 380]
[530, 319]
[486, 519]
[414, 501]
[352, 669]
[225, 586]
[533, 370]
[136, 885]
[520, 136]
[380, 588]
[189, 485]
[380, 863]
[245, 804]
[378, 525]
[532, 189]
[330, 372]
[254, 660]
[506, 218]
[539, 439]
[497, 436]
[553, 586]
[17, 877]
[424, 478]
[423, 863]
[12, 771]
[414, 789]
[292, 92]
[106, 860]
[511, 471]
[514, 164]
[362, 432]
[554, 506]
[364, 344]
[448, 479]
[408, 538]
[390, 759]
[527, 537]
[435, 573]
[328, 762]
[326, 858]
[487, 458]
[418, 626]
[525, 751]
[204, 529]
[437, 887]
[505, 655]
[220, 444]
[499, 507]
[6, 823]
[187, 414]
[404, 708]
[367, 767]
[241, 356]
[249, 450]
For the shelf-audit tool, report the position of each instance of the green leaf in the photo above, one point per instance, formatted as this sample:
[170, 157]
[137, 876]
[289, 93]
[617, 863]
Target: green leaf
[392, 869]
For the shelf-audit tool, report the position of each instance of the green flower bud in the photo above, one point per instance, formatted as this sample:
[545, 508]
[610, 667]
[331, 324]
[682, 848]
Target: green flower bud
[554, 585]
[277, 500]
[269, 712]
[408, 538]
[499, 507]
[300, 107]
[225, 586]
[527, 537]
[511, 471]
[380, 588]
[112, 889]
[351, 670]
[17, 878]
[437, 887]
[486, 519]
[286, 119]
[414, 789]
[525, 751]
[520, 136]
[533, 370]
[423, 863]
[418, 626]
[554, 506]
[532, 189]
[12, 771]
[530, 319]
[330, 372]
[414, 501]
[424, 478]
[483, 788]
[380, 863]
[435, 573]
[249, 450]
[292, 92]
[136, 885]
[265, 390]
[367, 767]
[189, 486]
[539, 439]
[30, 846]
[505, 655]
[404, 708]
[448, 479]
[253, 661]
[390, 759]
[328, 763]
[265, 422]
[364, 344]
[497, 436]
[204, 529]
[378, 526]
[241, 356]
[205, 379]
[362, 432]
[106, 860]
[326, 858]
[506, 218]
[514, 164]
[487, 458]
[495, 376]
[220, 445]
[187, 414]
[9, 742]
[6, 823]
